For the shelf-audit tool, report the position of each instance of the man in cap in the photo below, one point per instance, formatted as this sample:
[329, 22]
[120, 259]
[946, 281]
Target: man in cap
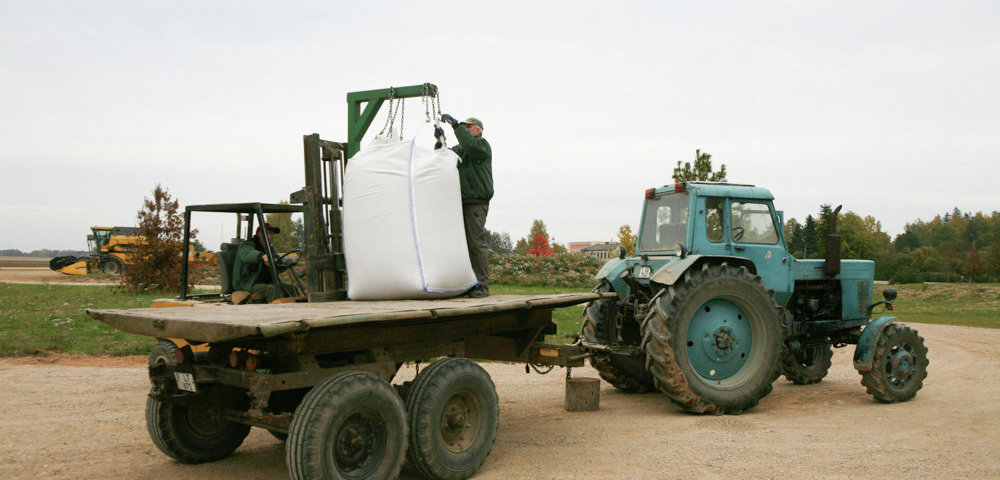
[252, 268]
[475, 174]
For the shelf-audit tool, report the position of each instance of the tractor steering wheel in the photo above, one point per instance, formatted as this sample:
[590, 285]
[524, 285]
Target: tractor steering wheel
[738, 233]
[280, 261]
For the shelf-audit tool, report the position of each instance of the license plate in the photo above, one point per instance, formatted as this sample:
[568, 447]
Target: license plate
[645, 271]
[185, 381]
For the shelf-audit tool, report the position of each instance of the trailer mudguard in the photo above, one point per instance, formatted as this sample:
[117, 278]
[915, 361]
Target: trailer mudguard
[864, 352]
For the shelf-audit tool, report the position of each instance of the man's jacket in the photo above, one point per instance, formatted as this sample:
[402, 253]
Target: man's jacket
[248, 267]
[475, 173]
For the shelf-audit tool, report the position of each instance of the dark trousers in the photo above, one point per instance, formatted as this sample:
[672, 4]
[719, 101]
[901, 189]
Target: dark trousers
[475, 236]
[271, 293]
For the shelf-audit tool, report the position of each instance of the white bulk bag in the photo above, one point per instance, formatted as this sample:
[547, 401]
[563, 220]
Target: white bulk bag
[404, 236]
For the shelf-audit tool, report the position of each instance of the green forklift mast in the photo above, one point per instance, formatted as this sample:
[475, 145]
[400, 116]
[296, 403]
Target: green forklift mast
[322, 217]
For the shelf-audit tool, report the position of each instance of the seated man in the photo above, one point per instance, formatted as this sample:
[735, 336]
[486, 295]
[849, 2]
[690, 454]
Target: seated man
[252, 268]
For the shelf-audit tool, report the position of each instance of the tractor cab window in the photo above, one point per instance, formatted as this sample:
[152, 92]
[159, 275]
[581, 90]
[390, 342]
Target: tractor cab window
[101, 237]
[713, 219]
[664, 222]
[752, 223]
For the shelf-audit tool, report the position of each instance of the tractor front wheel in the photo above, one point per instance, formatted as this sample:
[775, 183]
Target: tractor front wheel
[714, 340]
[899, 365]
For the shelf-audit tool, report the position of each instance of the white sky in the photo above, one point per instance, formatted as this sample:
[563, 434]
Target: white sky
[890, 108]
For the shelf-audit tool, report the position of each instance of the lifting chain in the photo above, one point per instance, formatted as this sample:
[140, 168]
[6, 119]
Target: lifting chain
[390, 117]
[397, 110]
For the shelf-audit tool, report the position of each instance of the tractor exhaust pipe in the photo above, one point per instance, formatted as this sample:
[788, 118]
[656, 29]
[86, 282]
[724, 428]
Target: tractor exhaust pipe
[832, 266]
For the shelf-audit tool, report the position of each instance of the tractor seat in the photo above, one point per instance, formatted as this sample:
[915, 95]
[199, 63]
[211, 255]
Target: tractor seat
[227, 258]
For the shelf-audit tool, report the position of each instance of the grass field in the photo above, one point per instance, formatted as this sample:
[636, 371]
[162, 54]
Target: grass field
[45, 319]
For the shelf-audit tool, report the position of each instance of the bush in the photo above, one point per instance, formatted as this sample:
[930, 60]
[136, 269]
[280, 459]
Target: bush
[559, 270]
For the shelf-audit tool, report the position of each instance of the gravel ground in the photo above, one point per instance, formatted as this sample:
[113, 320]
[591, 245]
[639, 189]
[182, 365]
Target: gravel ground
[82, 418]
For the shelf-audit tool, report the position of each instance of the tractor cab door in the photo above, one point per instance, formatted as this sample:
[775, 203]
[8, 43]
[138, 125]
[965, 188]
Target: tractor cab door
[753, 233]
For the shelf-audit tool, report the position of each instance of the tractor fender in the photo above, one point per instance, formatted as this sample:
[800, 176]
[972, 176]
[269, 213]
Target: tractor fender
[612, 271]
[865, 350]
[669, 273]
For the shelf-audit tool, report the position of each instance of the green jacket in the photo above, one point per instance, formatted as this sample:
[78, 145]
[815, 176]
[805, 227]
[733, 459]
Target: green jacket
[248, 266]
[475, 172]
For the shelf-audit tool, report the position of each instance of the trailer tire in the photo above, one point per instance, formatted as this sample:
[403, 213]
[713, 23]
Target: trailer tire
[625, 373]
[112, 265]
[809, 365]
[163, 352]
[714, 340]
[191, 434]
[454, 414]
[349, 426]
[899, 365]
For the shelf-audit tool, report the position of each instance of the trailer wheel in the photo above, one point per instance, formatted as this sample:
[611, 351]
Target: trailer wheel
[454, 414]
[112, 266]
[625, 373]
[163, 352]
[191, 434]
[809, 365]
[349, 426]
[899, 365]
[714, 340]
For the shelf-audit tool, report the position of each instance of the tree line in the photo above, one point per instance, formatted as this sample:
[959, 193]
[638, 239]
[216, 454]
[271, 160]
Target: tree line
[954, 246]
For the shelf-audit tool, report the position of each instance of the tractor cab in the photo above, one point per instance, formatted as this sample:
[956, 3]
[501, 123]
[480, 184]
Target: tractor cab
[249, 217]
[689, 223]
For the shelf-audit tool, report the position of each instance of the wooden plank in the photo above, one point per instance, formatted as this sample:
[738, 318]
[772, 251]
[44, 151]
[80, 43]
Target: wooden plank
[229, 322]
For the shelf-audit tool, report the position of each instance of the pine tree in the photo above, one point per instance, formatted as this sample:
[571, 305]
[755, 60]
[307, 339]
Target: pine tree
[701, 170]
[156, 263]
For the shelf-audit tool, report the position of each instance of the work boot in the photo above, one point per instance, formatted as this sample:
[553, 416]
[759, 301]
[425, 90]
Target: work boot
[479, 291]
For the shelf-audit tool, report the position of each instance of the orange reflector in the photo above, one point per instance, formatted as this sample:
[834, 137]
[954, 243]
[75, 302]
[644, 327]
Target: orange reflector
[251, 361]
[548, 352]
[649, 193]
[678, 187]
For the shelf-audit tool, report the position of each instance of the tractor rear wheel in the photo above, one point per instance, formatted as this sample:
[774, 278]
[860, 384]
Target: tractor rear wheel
[714, 340]
[809, 365]
[625, 373]
[899, 365]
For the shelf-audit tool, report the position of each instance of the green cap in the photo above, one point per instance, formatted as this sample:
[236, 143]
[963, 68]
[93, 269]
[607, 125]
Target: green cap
[474, 121]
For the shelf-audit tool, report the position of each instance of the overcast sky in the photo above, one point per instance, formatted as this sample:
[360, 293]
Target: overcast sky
[889, 108]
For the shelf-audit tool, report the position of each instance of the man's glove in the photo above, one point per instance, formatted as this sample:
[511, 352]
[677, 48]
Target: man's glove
[439, 136]
[450, 119]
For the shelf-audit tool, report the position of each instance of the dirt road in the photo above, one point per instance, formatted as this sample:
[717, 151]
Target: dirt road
[83, 419]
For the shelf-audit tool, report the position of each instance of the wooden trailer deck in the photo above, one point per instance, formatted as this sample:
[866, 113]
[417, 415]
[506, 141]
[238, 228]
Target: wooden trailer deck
[220, 322]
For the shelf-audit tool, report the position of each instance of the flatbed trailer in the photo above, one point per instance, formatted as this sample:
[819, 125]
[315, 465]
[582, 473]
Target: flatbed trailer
[319, 374]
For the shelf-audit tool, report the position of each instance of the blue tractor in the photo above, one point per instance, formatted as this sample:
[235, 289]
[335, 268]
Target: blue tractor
[712, 308]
